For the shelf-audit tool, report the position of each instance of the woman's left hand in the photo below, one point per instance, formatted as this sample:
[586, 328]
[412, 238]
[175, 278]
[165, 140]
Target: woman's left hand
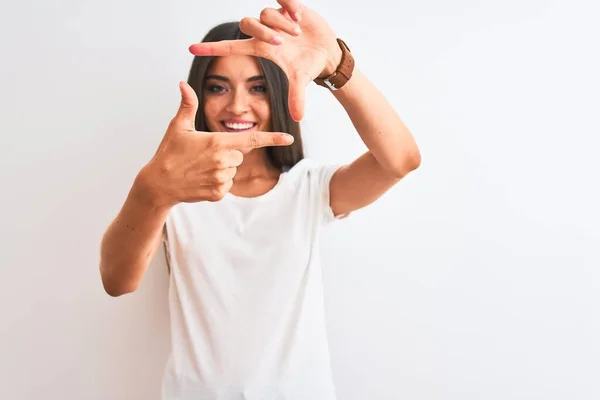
[302, 56]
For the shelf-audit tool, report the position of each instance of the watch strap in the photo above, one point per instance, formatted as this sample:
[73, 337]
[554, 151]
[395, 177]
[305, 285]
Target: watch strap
[343, 72]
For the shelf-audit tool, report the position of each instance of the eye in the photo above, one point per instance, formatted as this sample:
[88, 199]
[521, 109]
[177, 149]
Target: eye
[214, 88]
[260, 88]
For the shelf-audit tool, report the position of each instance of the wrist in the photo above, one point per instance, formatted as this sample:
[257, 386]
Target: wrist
[145, 191]
[338, 69]
[333, 62]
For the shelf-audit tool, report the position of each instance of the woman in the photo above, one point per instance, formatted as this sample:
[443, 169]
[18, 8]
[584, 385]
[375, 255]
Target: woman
[242, 208]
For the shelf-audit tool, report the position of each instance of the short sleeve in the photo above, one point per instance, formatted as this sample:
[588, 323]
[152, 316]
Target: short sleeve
[321, 175]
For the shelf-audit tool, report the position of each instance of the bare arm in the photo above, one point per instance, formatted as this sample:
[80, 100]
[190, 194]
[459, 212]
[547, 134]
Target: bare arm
[393, 152]
[189, 166]
[131, 240]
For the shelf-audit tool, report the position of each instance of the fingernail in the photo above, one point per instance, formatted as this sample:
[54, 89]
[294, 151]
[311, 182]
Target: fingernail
[277, 40]
[288, 138]
[296, 16]
[297, 30]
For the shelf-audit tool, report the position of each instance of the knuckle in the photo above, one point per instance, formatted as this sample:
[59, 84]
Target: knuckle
[166, 168]
[228, 48]
[219, 176]
[218, 160]
[264, 14]
[253, 140]
[245, 23]
[215, 141]
[218, 192]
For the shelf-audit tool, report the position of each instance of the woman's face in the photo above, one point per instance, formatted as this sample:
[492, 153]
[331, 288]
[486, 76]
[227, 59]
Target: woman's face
[235, 96]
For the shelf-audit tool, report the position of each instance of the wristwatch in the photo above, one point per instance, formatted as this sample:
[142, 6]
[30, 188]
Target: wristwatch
[343, 73]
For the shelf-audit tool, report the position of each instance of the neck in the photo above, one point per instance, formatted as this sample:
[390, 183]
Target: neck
[255, 165]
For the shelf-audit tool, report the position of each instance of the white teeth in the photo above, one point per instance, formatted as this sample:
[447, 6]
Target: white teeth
[238, 126]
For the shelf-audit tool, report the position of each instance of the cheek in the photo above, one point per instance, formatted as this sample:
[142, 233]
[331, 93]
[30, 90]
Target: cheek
[265, 109]
[212, 108]
[210, 118]
[264, 112]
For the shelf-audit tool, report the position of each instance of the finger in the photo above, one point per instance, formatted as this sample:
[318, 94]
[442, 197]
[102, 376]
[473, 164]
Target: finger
[186, 115]
[214, 193]
[293, 7]
[228, 158]
[229, 174]
[283, 12]
[235, 158]
[275, 20]
[219, 176]
[247, 47]
[259, 31]
[253, 139]
[296, 95]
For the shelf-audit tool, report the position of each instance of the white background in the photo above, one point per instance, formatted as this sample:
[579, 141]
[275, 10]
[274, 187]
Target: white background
[474, 278]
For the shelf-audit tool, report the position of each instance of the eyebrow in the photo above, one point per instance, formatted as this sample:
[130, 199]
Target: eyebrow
[225, 79]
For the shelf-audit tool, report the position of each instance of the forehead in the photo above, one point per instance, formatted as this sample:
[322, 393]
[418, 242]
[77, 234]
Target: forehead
[236, 67]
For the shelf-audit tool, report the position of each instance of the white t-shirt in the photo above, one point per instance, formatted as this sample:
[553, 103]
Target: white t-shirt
[245, 294]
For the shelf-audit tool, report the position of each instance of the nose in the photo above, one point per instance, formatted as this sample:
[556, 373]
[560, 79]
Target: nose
[239, 102]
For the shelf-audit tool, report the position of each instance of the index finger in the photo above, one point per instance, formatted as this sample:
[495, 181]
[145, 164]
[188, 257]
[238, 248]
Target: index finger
[293, 8]
[252, 139]
[247, 47]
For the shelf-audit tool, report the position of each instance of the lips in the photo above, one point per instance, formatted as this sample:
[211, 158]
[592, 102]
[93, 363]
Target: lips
[238, 125]
[237, 121]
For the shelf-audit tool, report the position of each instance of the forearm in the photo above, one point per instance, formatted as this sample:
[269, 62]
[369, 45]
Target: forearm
[379, 126]
[131, 241]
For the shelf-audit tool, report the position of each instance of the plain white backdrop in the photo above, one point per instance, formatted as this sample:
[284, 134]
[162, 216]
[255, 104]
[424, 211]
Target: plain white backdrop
[477, 277]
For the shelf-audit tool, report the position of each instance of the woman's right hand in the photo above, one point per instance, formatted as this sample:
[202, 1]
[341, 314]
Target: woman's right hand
[191, 166]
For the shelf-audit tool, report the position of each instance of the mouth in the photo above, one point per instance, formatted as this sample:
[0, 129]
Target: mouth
[238, 127]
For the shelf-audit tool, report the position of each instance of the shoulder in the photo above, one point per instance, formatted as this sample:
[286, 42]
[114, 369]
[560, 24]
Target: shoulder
[313, 176]
[311, 180]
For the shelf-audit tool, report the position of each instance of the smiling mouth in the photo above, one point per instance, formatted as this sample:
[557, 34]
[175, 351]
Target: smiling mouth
[238, 127]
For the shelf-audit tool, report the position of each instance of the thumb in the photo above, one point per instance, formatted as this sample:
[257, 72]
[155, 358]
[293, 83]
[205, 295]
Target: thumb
[186, 115]
[297, 95]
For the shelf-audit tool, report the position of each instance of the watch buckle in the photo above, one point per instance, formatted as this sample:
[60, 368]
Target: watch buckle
[327, 81]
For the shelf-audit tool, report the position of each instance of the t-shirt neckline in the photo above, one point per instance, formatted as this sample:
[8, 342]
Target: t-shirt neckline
[261, 197]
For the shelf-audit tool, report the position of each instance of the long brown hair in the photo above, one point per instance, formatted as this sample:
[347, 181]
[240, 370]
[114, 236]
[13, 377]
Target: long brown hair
[277, 89]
